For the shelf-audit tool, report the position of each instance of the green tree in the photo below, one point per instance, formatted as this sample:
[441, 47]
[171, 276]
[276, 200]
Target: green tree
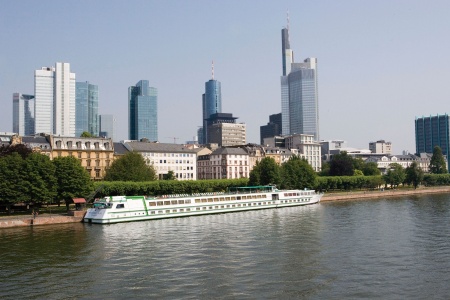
[130, 167]
[371, 169]
[358, 164]
[86, 134]
[255, 175]
[325, 169]
[21, 149]
[169, 176]
[395, 175]
[358, 172]
[414, 174]
[73, 180]
[14, 184]
[297, 173]
[437, 162]
[41, 175]
[341, 165]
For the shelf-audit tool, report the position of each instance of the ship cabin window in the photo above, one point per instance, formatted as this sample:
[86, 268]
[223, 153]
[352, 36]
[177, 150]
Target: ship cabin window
[120, 206]
[210, 207]
[233, 198]
[152, 212]
[204, 208]
[160, 212]
[227, 198]
[216, 207]
[210, 199]
[181, 210]
[204, 200]
[180, 201]
[238, 197]
[152, 203]
[187, 201]
[167, 211]
[174, 202]
[198, 208]
[166, 202]
[243, 198]
[198, 200]
[159, 203]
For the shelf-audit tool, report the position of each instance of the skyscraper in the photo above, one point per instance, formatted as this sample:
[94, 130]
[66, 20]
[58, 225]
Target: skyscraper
[299, 92]
[106, 126]
[143, 111]
[86, 111]
[211, 103]
[54, 91]
[23, 114]
[433, 131]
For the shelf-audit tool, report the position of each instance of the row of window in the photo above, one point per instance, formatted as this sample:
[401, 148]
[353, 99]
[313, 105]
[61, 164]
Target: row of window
[168, 211]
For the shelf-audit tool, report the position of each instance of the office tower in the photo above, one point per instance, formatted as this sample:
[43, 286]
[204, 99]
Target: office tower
[211, 103]
[106, 126]
[143, 111]
[86, 109]
[433, 131]
[224, 131]
[54, 91]
[299, 92]
[303, 100]
[273, 128]
[23, 114]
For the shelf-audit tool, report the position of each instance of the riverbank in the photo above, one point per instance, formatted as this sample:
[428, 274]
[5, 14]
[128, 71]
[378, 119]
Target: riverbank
[47, 219]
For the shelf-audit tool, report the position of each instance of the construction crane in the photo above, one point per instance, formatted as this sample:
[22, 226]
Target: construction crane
[174, 139]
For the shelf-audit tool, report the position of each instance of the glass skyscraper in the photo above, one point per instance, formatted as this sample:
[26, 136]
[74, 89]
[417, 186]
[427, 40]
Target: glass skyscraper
[433, 131]
[143, 111]
[86, 109]
[23, 114]
[211, 103]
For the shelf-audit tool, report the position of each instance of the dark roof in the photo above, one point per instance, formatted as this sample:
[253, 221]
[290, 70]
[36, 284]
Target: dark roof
[119, 149]
[158, 147]
[233, 151]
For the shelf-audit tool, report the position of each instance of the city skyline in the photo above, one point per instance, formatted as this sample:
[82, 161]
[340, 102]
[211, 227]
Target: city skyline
[373, 59]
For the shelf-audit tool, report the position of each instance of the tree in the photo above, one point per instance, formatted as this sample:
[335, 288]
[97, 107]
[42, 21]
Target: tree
[395, 175]
[86, 134]
[255, 175]
[325, 169]
[297, 173]
[169, 176]
[41, 175]
[21, 149]
[341, 165]
[358, 163]
[437, 162]
[130, 167]
[72, 179]
[414, 174]
[358, 172]
[14, 184]
[371, 169]
[265, 172]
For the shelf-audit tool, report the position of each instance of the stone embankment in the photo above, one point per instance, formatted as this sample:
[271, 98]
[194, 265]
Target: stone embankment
[359, 195]
[20, 221]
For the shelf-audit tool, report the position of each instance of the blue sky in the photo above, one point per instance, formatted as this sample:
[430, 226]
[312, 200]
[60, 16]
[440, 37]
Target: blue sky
[381, 63]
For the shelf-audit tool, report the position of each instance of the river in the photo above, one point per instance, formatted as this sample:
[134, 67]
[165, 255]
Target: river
[396, 248]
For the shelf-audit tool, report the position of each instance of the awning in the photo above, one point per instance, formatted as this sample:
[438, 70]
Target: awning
[79, 200]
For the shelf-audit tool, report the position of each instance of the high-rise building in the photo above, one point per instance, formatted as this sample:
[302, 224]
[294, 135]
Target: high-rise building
[433, 131]
[143, 111]
[273, 128]
[54, 91]
[211, 103]
[224, 131]
[86, 111]
[23, 114]
[106, 126]
[380, 146]
[299, 92]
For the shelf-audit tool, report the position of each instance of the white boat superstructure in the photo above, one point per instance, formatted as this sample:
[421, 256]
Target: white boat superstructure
[115, 209]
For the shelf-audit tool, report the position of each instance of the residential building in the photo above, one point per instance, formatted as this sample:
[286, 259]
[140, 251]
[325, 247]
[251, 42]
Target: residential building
[383, 162]
[433, 131]
[54, 91]
[229, 163]
[23, 114]
[179, 159]
[143, 111]
[86, 109]
[275, 141]
[280, 155]
[308, 148]
[211, 104]
[380, 146]
[273, 128]
[106, 126]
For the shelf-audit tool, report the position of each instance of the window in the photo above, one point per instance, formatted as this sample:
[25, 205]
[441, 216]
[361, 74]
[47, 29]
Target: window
[120, 206]
[97, 173]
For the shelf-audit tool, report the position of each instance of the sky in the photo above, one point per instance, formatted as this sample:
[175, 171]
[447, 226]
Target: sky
[381, 63]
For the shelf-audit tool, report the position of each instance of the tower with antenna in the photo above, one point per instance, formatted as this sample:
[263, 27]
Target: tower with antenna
[211, 102]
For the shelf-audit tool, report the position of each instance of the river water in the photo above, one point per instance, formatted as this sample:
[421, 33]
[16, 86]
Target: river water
[396, 248]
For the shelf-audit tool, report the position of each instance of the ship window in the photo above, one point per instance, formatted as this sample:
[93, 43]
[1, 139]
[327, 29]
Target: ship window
[153, 212]
[228, 206]
[159, 203]
[167, 211]
[152, 203]
[196, 201]
[188, 209]
[233, 198]
[254, 197]
[166, 202]
[180, 201]
[204, 208]
[160, 212]
[243, 197]
[233, 205]
[187, 201]
[216, 207]
[181, 210]
[205, 200]
[210, 207]
[210, 199]
[222, 199]
[174, 202]
[222, 206]
[174, 210]
[227, 198]
[120, 206]
[238, 205]
[198, 208]
[238, 198]
[244, 204]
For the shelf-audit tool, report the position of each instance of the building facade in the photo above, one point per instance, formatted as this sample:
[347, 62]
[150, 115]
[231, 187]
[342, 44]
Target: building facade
[86, 109]
[54, 91]
[228, 134]
[273, 128]
[229, 163]
[211, 104]
[143, 111]
[106, 128]
[432, 131]
[380, 146]
[307, 147]
[179, 159]
[23, 114]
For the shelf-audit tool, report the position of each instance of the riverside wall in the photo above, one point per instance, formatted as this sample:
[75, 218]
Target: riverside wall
[20, 221]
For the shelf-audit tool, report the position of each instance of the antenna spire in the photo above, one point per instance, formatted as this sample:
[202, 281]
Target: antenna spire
[287, 16]
[212, 69]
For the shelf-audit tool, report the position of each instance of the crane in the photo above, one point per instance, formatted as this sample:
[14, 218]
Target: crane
[174, 138]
